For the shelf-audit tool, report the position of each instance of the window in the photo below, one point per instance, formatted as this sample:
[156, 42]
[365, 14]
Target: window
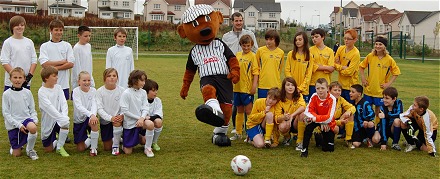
[251, 14]
[115, 3]
[407, 28]
[29, 10]
[271, 15]
[381, 28]
[104, 3]
[66, 11]
[75, 1]
[61, 0]
[219, 9]
[177, 8]
[78, 12]
[54, 11]
[127, 15]
[7, 9]
[106, 14]
[157, 17]
[125, 3]
[156, 6]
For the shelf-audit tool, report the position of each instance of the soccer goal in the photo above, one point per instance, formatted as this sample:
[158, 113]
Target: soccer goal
[102, 38]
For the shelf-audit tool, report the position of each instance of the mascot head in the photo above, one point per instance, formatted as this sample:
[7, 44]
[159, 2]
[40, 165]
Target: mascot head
[200, 24]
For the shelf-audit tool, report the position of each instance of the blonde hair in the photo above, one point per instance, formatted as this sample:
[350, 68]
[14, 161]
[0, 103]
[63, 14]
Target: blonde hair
[82, 73]
[18, 70]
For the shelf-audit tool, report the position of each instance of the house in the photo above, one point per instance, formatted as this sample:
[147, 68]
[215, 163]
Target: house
[164, 10]
[259, 14]
[64, 8]
[224, 6]
[112, 9]
[415, 24]
[19, 6]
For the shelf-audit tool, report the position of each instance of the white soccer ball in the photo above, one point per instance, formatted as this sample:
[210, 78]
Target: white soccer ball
[241, 165]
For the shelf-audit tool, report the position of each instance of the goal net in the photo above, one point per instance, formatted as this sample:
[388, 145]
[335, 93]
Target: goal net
[102, 38]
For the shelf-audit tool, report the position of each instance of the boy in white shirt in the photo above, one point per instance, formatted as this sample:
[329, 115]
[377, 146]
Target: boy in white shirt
[156, 112]
[54, 112]
[18, 109]
[82, 51]
[84, 115]
[18, 51]
[59, 54]
[120, 57]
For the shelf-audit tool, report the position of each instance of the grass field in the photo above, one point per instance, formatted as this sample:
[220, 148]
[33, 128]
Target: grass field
[188, 153]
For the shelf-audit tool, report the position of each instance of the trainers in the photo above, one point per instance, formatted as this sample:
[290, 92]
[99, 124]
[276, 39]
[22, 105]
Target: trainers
[409, 148]
[11, 150]
[93, 152]
[369, 143]
[115, 151]
[350, 145]
[32, 154]
[267, 143]
[233, 131]
[62, 152]
[155, 147]
[235, 137]
[247, 140]
[299, 146]
[304, 153]
[286, 142]
[396, 147]
[149, 152]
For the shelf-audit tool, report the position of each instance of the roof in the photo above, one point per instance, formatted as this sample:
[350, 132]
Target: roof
[76, 6]
[370, 17]
[170, 13]
[264, 7]
[117, 10]
[416, 17]
[368, 10]
[336, 9]
[239, 3]
[372, 4]
[19, 3]
[388, 18]
[209, 2]
[177, 2]
[156, 12]
[352, 11]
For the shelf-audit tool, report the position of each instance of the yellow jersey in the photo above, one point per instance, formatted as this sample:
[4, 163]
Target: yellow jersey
[270, 63]
[342, 106]
[324, 57]
[248, 68]
[289, 106]
[258, 113]
[300, 70]
[351, 59]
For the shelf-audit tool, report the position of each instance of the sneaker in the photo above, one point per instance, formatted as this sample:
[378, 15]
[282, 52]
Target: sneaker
[396, 147]
[350, 145]
[155, 147]
[286, 142]
[93, 152]
[67, 139]
[267, 143]
[409, 148]
[32, 154]
[299, 146]
[235, 137]
[247, 140]
[233, 131]
[115, 151]
[11, 150]
[405, 143]
[62, 152]
[304, 153]
[369, 143]
[149, 152]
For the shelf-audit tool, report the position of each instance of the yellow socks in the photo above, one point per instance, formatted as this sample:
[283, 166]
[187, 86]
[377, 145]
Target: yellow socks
[301, 129]
[239, 120]
[349, 130]
[269, 129]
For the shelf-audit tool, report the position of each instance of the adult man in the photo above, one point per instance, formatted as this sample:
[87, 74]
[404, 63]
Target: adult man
[232, 37]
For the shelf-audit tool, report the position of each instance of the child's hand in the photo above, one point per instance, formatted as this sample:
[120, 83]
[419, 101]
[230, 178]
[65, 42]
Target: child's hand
[267, 109]
[140, 122]
[385, 85]
[383, 147]
[346, 115]
[364, 82]
[381, 114]
[325, 127]
[343, 121]
[365, 123]
[23, 129]
[93, 120]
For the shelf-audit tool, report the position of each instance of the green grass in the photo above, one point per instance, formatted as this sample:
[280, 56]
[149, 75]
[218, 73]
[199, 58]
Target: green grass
[188, 153]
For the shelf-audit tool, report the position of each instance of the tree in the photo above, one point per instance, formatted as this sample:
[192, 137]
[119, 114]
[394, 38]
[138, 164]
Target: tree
[436, 31]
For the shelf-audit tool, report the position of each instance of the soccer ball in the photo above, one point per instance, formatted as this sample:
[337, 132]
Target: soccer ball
[241, 165]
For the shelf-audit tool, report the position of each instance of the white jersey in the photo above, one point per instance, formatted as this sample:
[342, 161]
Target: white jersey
[18, 53]
[84, 104]
[54, 109]
[18, 106]
[155, 108]
[133, 106]
[51, 51]
[107, 102]
[83, 62]
[120, 58]
[232, 40]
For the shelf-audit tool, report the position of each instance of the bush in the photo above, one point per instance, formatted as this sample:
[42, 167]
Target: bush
[419, 51]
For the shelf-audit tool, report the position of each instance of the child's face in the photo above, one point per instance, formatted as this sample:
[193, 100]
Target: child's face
[246, 47]
[120, 38]
[290, 88]
[84, 82]
[271, 101]
[111, 78]
[17, 79]
[52, 79]
[140, 83]
[57, 33]
[336, 91]
[417, 109]
[19, 29]
[354, 94]
[321, 90]
[299, 41]
[270, 43]
[84, 38]
[379, 46]
[388, 101]
[349, 40]
[317, 39]
[152, 94]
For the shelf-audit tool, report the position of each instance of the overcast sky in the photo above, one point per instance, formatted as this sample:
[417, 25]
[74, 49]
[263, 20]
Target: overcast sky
[311, 9]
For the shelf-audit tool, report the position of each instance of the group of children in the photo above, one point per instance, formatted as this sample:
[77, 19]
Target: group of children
[125, 107]
[305, 103]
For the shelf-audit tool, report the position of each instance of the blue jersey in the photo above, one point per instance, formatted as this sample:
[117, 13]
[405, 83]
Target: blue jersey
[387, 122]
[364, 112]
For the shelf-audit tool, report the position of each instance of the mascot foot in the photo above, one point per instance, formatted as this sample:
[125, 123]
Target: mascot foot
[219, 137]
[208, 115]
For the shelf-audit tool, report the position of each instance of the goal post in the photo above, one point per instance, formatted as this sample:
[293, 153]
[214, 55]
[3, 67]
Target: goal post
[102, 38]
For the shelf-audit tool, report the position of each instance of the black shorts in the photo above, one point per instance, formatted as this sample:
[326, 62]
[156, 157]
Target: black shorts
[359, 136]
[223, 86]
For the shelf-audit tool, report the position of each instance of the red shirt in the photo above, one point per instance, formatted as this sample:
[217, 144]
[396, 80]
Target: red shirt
[322, 109]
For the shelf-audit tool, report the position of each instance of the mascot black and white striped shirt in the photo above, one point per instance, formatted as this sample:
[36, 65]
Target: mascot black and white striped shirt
[210, 59]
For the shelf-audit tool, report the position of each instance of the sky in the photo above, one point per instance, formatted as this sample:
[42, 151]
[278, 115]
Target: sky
[315, 12]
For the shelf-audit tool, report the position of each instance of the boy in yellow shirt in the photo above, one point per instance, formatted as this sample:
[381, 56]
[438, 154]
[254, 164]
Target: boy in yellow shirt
[270, 60]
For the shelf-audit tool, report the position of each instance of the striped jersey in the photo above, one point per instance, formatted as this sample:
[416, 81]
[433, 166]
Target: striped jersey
[390, 115]
[364, 112]
[210, 59]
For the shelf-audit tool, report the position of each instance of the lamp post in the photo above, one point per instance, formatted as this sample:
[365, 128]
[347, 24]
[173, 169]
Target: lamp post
[319, 17]
[300, 14]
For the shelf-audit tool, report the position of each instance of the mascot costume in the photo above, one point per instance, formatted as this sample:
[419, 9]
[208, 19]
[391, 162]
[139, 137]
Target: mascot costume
[217, 66]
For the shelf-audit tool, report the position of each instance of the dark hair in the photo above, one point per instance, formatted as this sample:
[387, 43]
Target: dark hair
[235, 14]
[306, 50]
[358, 88]
[47, 71]
[296, 94]
[56, 23]
[319, 31]
[245, 39]
[82, 29]
[335, 84]
[150, 85]
[15, 21]
[121, 30]
[422, 101]
[272, 33]
[391, 92]
[135, 76]
[322, 81]
[275, 93]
